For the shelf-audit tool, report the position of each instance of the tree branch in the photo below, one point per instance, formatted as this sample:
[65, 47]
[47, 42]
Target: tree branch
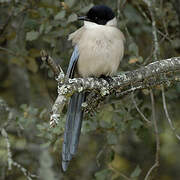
[127, 82]
[139, 111]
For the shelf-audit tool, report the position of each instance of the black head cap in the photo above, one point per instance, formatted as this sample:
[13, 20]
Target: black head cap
[99, 14]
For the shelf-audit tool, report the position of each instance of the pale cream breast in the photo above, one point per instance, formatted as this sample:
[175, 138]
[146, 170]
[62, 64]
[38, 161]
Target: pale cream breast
[101, 49]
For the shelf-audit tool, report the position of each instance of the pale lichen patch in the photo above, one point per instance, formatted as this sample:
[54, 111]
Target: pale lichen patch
[104, 91]
[63, 89]
[84, 104]
[80, 89]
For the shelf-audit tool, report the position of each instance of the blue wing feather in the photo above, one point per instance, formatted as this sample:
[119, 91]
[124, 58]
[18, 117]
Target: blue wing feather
[72, 63]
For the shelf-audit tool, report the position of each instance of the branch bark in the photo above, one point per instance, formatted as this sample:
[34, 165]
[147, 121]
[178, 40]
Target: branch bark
[127, 82]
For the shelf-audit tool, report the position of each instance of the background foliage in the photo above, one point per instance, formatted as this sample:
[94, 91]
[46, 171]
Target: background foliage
[115, 141]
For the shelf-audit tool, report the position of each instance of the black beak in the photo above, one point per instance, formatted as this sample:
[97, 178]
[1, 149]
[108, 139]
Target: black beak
[83, 18]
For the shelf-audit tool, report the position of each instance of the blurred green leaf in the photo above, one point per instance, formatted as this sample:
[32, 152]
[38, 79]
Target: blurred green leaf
[89, 125]
[103, 175]
[3, 132]
[86, 8]
[32, 35]
[30, 24]
[73, 17]
[60, 15]
[42, 27]
[176, 43]
[136, 124]
[49, 39]
[133, 48]
[31, 64]
[136, 172]
[46, 170]
[112, 138]
[70, 3]
[130, 12]
[48, 28]
[41, 127]
[178, 87]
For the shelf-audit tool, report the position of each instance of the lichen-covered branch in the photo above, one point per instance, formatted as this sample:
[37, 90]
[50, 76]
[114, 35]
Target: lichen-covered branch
[56, 109]
[152, 71]
[144, 77]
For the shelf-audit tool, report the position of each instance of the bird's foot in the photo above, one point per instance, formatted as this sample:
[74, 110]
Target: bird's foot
[107, 78]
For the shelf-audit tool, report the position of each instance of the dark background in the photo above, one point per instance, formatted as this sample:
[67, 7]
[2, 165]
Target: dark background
[115, 141]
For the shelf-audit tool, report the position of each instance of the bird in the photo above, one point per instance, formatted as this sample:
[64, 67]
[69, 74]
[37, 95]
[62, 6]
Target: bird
[98, 50]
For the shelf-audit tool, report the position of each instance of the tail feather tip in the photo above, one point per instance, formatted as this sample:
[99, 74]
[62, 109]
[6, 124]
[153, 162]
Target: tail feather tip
[65, 165]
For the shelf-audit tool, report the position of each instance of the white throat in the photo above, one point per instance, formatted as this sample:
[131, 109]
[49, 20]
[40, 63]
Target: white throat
[112, 22]
[91, 25]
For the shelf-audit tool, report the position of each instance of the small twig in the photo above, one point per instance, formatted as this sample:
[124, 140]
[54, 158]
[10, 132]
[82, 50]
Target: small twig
[144, 14]
[155, 127]
[150, 170]
[165, 36]
[164, 19]
[167, 114]
[120, 5]
[119, 173]
[2, 29]
[8, 51]
[156, 51]
[5, 135]
[165, 109]
[118, 9]
[9, 111]
[155, 37]
[26, 173]
[120, 15]
[124, 176]
[128, 91]
[154, 120]
[99, 155]
[54, 67]
[137, 108]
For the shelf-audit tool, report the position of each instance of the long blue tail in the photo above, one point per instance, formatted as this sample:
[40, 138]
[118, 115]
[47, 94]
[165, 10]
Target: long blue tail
[72, 128]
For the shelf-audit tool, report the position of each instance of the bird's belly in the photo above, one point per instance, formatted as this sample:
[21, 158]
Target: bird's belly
[95, 66]
[99, 58]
